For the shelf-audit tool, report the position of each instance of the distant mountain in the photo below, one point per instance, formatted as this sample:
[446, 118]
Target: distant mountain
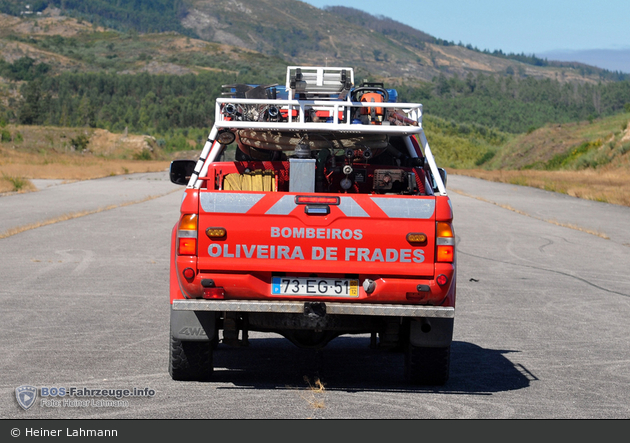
[61, 60]
[610, 59]
[288, 31]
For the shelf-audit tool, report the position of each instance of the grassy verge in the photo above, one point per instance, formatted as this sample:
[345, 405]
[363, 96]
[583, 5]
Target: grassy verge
[69, 167]
[32, 152]
[612, 186]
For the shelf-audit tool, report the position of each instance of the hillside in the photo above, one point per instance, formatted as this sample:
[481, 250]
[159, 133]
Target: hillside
[68, 44]
[588, 159]
[611, 59]
[253, 41]
[599, 143]
[247, 33]
[303, 34]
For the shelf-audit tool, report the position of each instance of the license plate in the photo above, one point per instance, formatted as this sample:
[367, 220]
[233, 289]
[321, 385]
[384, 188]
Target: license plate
[315, 286]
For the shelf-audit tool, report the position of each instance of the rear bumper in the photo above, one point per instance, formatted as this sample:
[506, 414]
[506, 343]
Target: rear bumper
[255, 286]
[298, 307]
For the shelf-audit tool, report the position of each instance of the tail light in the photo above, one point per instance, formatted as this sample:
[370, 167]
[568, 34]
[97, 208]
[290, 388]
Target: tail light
[187, 235]
[211, 291]
[445, 241]
[214, 293]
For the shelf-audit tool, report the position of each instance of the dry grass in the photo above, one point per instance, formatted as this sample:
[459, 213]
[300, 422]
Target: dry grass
[48, 153]
[72, 167]
[314, 391]
[610, 186]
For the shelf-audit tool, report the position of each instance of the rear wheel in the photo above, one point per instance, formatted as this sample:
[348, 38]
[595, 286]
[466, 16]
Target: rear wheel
[190, 360]
[427, 366]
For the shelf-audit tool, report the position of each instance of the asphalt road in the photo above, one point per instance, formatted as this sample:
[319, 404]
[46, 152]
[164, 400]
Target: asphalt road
[542, 324]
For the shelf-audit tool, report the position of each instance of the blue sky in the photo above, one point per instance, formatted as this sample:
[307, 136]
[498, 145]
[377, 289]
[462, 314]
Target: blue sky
[532, 27]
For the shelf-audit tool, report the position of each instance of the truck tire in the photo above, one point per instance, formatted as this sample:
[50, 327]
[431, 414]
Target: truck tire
[190, 360]
[427, 366]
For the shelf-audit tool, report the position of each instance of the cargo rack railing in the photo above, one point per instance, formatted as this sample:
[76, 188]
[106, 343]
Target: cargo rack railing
[408, 119]
[331, 88]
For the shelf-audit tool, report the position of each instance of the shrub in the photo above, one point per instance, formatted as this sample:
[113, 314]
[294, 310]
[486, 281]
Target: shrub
[17, 182]
[5, 136]
[145, 154]
[578, 157]
[80, 142]
[487, 156]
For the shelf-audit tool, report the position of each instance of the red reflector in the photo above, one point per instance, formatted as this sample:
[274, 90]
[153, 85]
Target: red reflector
[441, 279]
[445, 253]
[213, 293]
[315, 200]
[188, 273]
[187, 246]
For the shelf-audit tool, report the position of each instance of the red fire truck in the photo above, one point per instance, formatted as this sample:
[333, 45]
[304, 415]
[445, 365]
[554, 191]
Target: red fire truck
[331, 218]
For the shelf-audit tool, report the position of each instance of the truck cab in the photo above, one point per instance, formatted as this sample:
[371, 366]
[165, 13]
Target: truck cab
[331, 217]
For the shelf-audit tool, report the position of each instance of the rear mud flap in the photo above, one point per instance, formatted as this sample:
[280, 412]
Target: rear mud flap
[193, 325]
[431, 332]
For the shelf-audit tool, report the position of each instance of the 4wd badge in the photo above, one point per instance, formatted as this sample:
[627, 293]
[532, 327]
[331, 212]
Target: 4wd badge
[26, 396]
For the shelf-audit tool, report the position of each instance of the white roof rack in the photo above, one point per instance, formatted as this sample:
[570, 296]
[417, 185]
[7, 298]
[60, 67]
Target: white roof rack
[246, 113]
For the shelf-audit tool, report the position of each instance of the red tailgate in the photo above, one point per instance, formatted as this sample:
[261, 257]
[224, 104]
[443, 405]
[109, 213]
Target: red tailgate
[360, 234]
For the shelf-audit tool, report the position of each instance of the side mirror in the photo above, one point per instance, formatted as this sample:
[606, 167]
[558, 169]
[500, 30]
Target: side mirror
[443, 175]
[181, 170]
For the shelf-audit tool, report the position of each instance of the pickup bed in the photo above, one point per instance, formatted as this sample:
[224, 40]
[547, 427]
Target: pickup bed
[331, 219]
